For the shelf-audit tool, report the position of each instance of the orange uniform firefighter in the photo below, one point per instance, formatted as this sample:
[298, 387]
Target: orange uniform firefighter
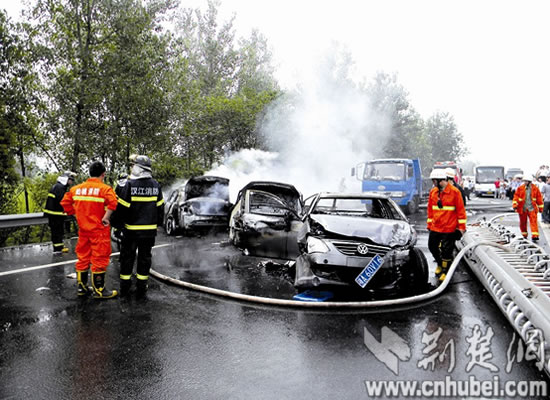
[446, 220]
[92, 202]
[527, 203]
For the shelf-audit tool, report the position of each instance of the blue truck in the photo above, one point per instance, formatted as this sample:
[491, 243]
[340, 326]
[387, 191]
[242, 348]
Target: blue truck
[398, 178]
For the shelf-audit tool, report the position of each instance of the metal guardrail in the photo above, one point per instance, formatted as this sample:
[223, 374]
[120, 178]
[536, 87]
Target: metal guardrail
[518, 281]
[19, 220]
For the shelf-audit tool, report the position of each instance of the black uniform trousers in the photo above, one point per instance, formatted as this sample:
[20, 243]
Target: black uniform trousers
[57, 230]
[143, 246]
[441, 245]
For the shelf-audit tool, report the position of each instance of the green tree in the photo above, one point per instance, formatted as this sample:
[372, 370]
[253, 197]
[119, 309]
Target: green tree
[446, 143]
[18, 134]
[104, 78]
[397, 125]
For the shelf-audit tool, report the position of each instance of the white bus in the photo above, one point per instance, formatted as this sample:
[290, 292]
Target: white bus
[485, 177]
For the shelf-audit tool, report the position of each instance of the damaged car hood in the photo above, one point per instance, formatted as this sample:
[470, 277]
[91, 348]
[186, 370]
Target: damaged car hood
[381, 231]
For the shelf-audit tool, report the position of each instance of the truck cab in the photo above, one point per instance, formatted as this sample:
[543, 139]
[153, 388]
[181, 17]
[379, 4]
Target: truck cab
[398, 178]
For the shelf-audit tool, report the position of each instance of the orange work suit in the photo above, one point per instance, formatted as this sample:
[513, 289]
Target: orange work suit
[519, 204]
[451, 216]
[89, 202]
[443, 222]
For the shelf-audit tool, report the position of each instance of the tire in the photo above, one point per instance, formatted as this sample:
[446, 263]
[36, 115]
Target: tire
[234, 237]
[417, 273]
[412, 206]
[170, 226]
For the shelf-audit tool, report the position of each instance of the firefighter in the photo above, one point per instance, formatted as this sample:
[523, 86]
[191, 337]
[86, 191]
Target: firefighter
[92, 202]
[140, 210]
[55, 213]
[527, 203]
[446, 220]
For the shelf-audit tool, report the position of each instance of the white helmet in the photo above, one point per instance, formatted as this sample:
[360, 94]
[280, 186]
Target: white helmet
[450, 173]
[518, 176]
[438, 173]
[528, 178]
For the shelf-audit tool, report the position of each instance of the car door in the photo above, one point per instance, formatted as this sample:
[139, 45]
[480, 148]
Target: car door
[273, 225]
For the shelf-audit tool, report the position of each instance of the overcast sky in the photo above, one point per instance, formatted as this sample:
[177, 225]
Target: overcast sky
[484, 62]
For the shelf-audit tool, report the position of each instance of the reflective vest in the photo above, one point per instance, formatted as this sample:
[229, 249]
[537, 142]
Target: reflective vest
[140, 207]
[89, 201]
[536, 198]
[53, 206]
[451, 215]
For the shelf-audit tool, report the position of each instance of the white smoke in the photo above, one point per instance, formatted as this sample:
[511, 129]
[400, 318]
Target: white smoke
[317, 133]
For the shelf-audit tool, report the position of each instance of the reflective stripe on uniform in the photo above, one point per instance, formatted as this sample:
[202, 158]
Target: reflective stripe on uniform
[445, 208]
[55, 212]
[124, 203]
[125, 277]
[142, 277]
[51, 195]
[139, 227]
[89, 198]
[144, 199]
[160, 202]
[462, 221]
[429, 220]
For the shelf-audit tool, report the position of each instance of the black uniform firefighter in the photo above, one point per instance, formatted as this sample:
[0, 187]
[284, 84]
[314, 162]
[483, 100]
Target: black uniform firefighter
[140, 210]
[54, 211]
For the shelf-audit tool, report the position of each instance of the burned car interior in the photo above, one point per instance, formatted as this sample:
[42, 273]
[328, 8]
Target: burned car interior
[201, 204]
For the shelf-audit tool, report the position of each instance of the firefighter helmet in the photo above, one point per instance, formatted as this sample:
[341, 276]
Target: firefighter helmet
[143, 161]
[438, 173]
[450, 173]
[528, 178]
[70, 175]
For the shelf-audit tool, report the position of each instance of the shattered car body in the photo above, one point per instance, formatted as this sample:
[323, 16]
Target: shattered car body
[266, 219]
[343, 232]
[202, 203]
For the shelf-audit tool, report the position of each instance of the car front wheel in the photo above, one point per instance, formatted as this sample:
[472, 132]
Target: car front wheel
[417, 276]
[170, 226]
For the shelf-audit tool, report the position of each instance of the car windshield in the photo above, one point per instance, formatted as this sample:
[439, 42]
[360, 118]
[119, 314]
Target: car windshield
[266, 204]
[356, 207]
[384, 171]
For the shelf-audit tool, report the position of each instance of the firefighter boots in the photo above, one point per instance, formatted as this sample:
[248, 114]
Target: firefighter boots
[444, 267]
[125, 285]
[82, 283]
[141, 286]
[98, 283]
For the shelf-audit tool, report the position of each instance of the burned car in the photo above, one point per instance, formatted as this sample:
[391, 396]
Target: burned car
[201, 204]
[266, 218]
[342, 234]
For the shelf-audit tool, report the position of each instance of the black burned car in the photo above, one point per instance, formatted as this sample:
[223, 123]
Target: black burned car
[266, 218]
[342, 233]
[202, 203]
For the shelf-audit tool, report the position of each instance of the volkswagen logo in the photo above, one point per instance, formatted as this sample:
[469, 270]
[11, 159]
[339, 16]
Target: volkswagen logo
[362, 249]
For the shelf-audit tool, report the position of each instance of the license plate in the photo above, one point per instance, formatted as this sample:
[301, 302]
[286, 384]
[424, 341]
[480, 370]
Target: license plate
[489, 192]
[368, 272]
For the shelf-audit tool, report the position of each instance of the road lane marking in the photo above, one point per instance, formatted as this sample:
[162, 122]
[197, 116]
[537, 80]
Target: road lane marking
[17, 271]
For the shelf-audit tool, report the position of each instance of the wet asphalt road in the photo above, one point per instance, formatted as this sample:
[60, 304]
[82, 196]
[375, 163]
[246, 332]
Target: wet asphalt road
[182, 344]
